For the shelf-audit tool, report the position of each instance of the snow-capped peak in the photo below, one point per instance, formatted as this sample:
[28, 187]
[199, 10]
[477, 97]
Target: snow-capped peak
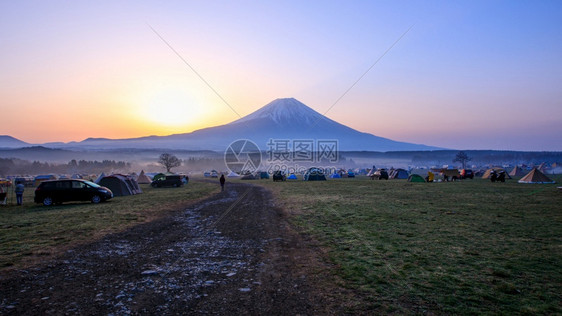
[284, 110]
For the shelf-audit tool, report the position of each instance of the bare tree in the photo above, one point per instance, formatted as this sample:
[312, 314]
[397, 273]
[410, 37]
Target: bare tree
[463, 158]
[169, 161]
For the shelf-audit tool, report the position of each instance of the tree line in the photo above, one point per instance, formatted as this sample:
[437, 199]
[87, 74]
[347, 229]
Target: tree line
[15, 166]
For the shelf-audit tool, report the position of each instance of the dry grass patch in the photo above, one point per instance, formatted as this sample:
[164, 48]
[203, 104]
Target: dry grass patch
[31, 232]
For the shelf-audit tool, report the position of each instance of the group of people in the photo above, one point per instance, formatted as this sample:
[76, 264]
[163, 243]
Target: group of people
[18, 190]
[497, 176]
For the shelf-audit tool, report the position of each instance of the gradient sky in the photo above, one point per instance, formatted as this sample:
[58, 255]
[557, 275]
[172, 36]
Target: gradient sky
[468, 75]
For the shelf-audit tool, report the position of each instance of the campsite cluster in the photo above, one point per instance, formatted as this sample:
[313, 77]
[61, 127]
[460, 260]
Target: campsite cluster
[128, 184]
[117, 184]
[525, 174]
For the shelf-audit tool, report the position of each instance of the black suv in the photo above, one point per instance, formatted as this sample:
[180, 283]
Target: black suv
[169, 181]
[59, 191]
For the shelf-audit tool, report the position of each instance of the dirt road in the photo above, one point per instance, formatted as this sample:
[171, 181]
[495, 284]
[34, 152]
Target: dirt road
[233, 253]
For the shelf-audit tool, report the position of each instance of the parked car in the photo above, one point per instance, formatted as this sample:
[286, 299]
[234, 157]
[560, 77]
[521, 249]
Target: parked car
[168, 181]
[467, 174]
[58, 191]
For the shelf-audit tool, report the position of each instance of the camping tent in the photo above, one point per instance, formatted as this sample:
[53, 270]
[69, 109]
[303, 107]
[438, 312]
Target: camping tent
[248, 176]
[420, 172]
[143, 178]
[335, 176]
[264, 175]
[488, 173]
[292, 177]
[120, 185]
[233, 174]
[399, 174]
[415, 178]
[516, 172]
[159, 176]
[535, 176]
[342, 173]
[42, 178]
[133, 184]
[372, 171]
[314, 174]
[101, 176]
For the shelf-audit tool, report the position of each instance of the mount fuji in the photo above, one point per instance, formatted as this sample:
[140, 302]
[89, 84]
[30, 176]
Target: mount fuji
[281, 119]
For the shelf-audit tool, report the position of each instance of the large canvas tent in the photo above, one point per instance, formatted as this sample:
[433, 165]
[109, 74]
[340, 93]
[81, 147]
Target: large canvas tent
[516, 172]
[314, 174]
[133, 184]
[233, 174]
[120, 185]
[488, 173]
[535, 176]
[143, 178]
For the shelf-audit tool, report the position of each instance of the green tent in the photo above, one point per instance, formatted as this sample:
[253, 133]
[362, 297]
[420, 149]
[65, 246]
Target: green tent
[415, 178]
[162, 176]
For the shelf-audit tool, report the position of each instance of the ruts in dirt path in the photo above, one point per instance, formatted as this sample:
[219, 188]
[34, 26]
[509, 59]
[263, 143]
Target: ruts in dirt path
[233, 253]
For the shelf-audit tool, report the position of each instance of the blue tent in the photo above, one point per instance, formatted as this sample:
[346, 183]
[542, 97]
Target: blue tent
[335, 175]
[292, 177]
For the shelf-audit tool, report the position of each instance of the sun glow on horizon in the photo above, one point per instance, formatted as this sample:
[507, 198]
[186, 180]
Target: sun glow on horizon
[170, 108]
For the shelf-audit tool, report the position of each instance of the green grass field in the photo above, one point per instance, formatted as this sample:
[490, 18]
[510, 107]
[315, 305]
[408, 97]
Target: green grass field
[30, 232]
[467, 247]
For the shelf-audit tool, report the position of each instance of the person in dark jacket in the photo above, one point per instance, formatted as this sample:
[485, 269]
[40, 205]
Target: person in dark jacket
[222, 181]
[19, 192]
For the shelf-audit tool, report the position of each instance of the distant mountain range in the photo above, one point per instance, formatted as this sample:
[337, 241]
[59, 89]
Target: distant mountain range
[282, 119]
[11, 142]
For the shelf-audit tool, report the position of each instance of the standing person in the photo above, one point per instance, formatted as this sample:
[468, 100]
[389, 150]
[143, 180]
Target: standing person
[222, 181]
[19, 192]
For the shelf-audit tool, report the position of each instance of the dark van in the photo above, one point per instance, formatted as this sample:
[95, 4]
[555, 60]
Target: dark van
[59, 191]
[169, 181]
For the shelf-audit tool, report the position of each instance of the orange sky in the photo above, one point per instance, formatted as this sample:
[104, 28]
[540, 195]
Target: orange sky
[468, 75]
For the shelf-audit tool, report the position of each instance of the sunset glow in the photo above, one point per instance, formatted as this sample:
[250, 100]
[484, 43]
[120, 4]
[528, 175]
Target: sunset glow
[473, 75]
